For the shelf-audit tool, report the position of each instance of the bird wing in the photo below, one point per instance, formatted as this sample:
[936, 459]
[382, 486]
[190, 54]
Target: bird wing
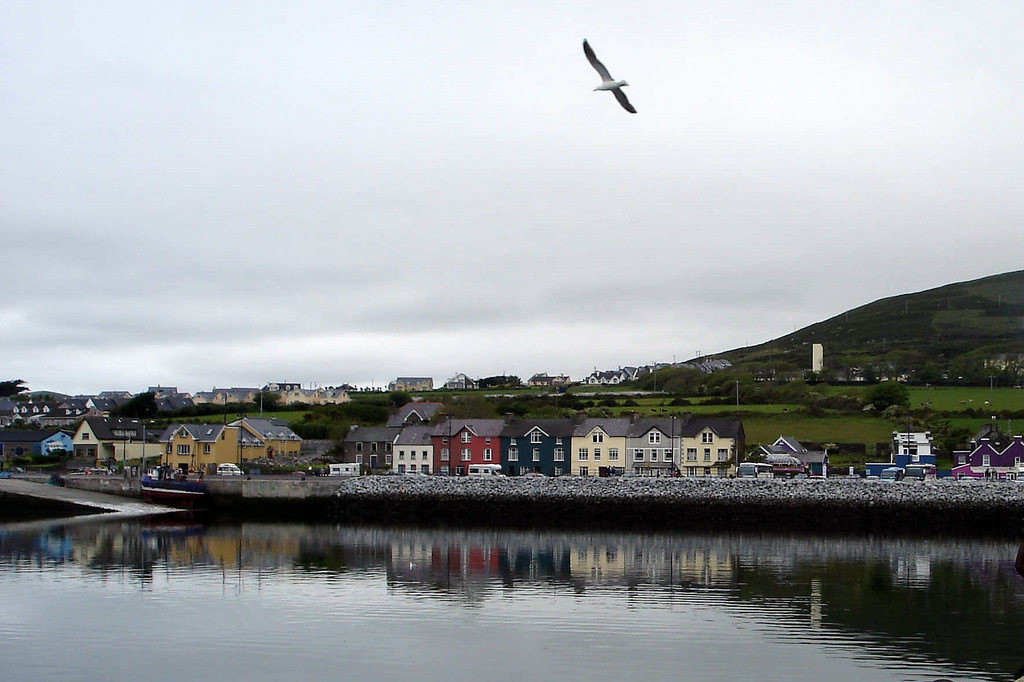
[621, 96]
[592, 58]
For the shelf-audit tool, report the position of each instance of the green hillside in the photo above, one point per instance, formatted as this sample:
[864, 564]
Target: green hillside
[942, 335]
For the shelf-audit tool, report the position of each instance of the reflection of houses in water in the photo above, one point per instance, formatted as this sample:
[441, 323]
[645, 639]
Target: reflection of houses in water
[636, 560]
[474, 563]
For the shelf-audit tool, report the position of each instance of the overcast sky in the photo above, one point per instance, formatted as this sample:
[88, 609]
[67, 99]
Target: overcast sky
[220, 193]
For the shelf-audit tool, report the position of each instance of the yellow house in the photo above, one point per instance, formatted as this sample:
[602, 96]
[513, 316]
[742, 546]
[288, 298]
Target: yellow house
[194, 447]
[267, 439]
[709, 446]
[598, 443]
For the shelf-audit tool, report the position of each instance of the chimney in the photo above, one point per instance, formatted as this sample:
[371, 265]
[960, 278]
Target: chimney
[509, 416]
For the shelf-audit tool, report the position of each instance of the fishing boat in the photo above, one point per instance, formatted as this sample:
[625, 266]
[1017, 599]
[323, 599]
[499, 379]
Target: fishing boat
[183, 493]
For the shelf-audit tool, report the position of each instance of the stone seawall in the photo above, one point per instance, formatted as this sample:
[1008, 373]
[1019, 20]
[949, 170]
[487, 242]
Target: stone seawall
[912, 507]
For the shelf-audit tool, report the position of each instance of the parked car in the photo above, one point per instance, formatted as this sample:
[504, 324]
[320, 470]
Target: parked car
[228, 470]
[892, 474]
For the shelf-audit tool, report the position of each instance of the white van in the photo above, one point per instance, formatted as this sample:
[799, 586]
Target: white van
[228, 470]
[344, 469]
[485, 470]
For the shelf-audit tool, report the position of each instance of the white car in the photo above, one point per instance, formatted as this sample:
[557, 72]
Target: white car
[228, 470]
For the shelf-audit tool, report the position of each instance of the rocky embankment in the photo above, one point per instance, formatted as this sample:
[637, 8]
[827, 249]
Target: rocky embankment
[842, 505]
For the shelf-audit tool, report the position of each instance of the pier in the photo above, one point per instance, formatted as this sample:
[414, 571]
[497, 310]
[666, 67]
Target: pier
[23, 502]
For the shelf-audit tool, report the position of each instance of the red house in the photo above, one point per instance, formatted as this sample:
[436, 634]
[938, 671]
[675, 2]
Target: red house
[461, 442]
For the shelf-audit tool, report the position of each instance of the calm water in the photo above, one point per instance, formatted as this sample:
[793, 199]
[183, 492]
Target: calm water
[130, 601]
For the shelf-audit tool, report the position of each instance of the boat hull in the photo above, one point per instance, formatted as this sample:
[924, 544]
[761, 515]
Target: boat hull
[180, 494]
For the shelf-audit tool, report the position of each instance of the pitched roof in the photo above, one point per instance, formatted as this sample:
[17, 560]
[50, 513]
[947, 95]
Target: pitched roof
[670, 427]
[368, 434]
[417, 434]
[26, 435]
[422, 411]
[268, 429]
[614, 426]
[553, 428]
[483, 428]
[726, 427]
[199, 432]
[104, 428]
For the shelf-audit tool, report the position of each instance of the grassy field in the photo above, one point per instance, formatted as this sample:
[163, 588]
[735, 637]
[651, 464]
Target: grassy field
[955, 399]
[765, 429]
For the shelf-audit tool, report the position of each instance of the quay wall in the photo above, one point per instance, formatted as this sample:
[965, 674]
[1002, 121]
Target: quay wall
[940, 507]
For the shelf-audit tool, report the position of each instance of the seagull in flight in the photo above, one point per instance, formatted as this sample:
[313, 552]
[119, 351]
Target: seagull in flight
[607, 82]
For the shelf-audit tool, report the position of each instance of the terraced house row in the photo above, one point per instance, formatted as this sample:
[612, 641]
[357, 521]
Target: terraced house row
[647, 446]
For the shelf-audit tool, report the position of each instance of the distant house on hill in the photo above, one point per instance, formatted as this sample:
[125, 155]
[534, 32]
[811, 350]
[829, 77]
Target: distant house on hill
[612, 377]
[544, 379]
[460, 382]
[412, 384]
[224, 396]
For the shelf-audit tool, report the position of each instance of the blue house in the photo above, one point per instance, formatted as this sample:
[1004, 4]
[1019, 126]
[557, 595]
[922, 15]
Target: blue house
[536, 445]
[23, 443]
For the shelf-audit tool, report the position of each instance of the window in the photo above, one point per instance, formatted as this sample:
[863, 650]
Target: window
[654, 437]
[691, 471]
[424, 457]
[445, 456]
[466, 436]
[387, 458]
[963, 459]
[186, 449]
[206, 448]
[613, 454]
[466, 454]
[691, 454]
[638, 455]
[373, 446]
[559, 454]
[85, 435]
[558, 441]
[513, 454]
[583, 454]
[401, 455]
[359, 447]
[511, 441]
[597, 454]
[584, 471]
[667, 454]
[723, 454]
[707, 454]
[536, 437]
[598, 437]
[985, 459]
[558, 471]
[707, 437]
[488, 455]
[536, 454]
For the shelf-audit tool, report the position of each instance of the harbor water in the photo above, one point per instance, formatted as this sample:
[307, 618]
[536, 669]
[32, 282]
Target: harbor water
[179, 598]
